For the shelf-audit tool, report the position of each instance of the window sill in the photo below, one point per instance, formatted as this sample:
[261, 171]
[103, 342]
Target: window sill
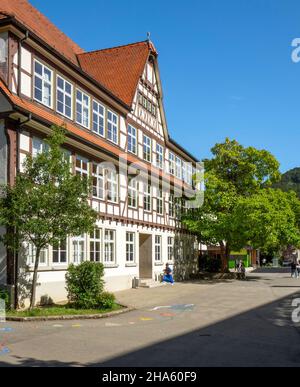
[130, 265]
[110, 266]
[158, 264]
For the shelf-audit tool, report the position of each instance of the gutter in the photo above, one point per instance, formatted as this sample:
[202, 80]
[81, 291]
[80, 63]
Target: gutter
[183, 150]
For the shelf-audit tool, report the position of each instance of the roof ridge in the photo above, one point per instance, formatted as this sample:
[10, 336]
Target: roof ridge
[113, 48]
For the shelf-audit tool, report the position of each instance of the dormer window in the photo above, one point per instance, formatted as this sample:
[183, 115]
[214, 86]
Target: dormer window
[43, 84]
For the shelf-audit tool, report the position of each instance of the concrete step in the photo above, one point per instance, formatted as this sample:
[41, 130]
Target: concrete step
[149, 283]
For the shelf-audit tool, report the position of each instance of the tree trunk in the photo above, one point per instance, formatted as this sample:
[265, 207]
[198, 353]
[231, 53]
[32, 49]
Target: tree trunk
[225, 255]
[34, 279]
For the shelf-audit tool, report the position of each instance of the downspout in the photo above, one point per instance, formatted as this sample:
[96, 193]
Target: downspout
[16, 256]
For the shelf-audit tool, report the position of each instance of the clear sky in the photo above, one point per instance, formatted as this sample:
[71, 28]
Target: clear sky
[226, 66]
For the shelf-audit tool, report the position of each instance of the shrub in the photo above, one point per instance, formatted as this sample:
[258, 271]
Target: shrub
[85, 284]
[210, 264]
[107, 300]
[4, 295]
[46, 301]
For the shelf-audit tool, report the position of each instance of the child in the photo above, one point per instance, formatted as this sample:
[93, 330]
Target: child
[168, 278]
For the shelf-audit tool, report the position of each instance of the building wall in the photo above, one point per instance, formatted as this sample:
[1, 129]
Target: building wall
[3, 180]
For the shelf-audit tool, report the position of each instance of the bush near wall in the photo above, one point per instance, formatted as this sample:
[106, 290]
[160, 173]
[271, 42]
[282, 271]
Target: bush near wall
[85, 284]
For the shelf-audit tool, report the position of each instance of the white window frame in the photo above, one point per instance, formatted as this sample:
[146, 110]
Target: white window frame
[98, 125]
[98, 174]
[160, 202]
[147, 197]
[132, 193]
[45, 82]
[108, 241]
[84, 103]
[80, 170]
[132, 139]
[39, 146]
[159, 156]
[65, 96]
[112, 127]
[171, 163]
[189, 174]
[130, 247]
[30, 255]
[112, 185]
[157, 248]
[171, 206]
[94, 240]
[76, 242]
[183, 171]
[59, 253]
[178, 171]
[170, 248]
[147, 145]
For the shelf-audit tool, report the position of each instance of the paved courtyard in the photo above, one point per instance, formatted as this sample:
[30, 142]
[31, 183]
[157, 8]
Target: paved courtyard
[230, 323]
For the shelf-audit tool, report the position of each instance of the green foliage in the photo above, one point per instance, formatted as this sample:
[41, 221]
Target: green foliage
[4, 295]
[84, 284]
[48, 202]
[107, 300]
[210, 264]
[290, 181]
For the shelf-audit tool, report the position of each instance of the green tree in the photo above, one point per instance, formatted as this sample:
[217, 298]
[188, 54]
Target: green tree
[47, 203]
[234, 172]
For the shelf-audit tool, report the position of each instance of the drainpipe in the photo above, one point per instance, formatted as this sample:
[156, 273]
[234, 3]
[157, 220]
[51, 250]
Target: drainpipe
[20, 60]
[16, 256]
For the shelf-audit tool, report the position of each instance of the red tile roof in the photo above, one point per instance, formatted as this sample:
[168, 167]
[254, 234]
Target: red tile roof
[119, 68]
[35, 21]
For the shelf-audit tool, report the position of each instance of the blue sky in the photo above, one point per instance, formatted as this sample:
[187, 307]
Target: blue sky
[226, 66]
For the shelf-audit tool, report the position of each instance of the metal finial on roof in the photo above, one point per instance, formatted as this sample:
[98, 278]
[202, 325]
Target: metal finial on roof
[148, 36]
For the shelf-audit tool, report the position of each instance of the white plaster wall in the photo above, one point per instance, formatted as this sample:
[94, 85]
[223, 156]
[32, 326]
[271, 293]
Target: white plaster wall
[3, 180]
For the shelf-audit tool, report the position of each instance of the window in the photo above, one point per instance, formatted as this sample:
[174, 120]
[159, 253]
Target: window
[112, 127]
[189, 174]
[178, 168]
[95, 245]
[42, 84]
[98, 181]
[78, 244]
[171, 206]
[81, 167]
[38, 146]
[131, 139]
[82, 109]
[132, 193]
[154, 110]
[159, 156]
[31, 252]
[147, 148]
[140, 98]
[157, 248]
[170, 248]
[112, 185]
[183, 171]
[109, 246]
[98, 118]
[145, 102]
[159, 201]
[171, 163]
[64, 91]
[59, 253]
[130, 247]
[149, 106]
[147, 197]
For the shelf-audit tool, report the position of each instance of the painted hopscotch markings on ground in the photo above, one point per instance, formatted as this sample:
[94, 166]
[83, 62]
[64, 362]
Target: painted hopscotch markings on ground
[179, 307]
[76, 326]
[6, 329]
[4, 351]
[146, 318]
[113, 325]
[57, 326]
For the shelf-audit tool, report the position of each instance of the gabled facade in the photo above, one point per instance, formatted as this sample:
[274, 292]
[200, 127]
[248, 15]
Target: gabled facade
[111, 103]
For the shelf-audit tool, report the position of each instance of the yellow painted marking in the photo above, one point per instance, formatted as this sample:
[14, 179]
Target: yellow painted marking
[146, 319]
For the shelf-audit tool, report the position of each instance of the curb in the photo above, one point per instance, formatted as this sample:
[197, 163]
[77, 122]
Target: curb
[71, 317]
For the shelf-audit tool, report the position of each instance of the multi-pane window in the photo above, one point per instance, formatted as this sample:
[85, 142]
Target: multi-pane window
[112, 126]
[64, 91]
[31, 255]
[147, 197]
[112, 185]
[159, 156]
[183, 171]
[42, 84]
[189, 173]
[147, 148]
[78, 245]
[178, 168]
[81, 167]
[39, 146]
[95, 245]
[171, 163]
[131, 139]
[157, 248]
[159, 201]
[109, 246]
[154, 110]
[98, 118]
[170, 248]
[130, 247]
[98, 181]
[59, 253]
[82, 109]
[132, 193]
[171, 206]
